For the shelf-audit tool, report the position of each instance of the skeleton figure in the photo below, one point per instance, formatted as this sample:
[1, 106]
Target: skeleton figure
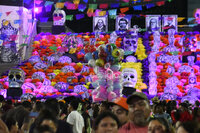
[67, 69]
[129, 76]
[156, 39]
[171, 47]
[59, 17]
[16, 78]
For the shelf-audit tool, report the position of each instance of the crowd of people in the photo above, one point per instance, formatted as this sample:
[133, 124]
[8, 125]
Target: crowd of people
[135, 114]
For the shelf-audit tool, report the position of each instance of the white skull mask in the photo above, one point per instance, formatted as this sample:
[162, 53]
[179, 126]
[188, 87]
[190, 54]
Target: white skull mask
[129, 77]
[197, 15]
[59, 17]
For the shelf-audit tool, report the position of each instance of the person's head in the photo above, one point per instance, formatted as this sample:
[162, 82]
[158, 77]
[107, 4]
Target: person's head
[27, 105]
[139, 108]
[53, 105]
[158, 108]
[43, 129]
[183, 107]
[188, 127]
[158, 125]
[104, 106]
[46, 117]
[120, 109]
[12, 124]
[153, 23]
[100, 23]
[123, 23]
[106, 122]
[73, 105]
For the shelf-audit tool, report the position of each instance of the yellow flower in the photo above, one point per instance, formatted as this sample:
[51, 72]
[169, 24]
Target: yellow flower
[56, 72]
[53, 83]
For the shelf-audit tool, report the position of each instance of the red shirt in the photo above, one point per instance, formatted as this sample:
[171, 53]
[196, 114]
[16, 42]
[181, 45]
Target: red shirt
[131, 128]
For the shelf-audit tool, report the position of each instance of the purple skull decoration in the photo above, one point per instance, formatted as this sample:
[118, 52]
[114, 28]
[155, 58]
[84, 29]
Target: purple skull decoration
[40, 66]
[65, 59]
[61, 86]
[38, 75]
[26, 97]
[81, 88]
[34, 59]
[66, 69]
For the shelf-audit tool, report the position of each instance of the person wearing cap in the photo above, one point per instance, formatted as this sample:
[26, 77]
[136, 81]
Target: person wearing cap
[169, 24]
[138, 112]
[120, 109]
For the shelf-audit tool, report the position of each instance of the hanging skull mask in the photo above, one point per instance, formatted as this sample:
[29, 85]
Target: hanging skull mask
[59, 17]
[197, 15]
[129, 76]
[16, 78]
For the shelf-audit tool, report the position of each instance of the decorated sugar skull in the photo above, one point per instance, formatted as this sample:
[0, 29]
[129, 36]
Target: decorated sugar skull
[197, 15]
[53, 58]
[47, 89]
[185, 68]
[38, 75]
[130, 41]
[113, 37]
[173, 81]
[34, 59]
[131, 58]
[67, 69]
[82, 90]
[65, 59]
[51, 75]
[16, 78]
[61, 86]
[59, 17]
[26, 97]
[85, 69]
[168, 96]
[40, 66]
[132, 75]
[30, 86]
[170, 70]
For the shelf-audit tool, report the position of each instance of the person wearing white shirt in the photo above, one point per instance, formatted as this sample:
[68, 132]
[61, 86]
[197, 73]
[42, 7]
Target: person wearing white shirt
[75, 119]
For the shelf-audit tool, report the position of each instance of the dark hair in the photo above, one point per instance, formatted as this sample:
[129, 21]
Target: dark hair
[43, 128]
[38, 106]
[2, 98]
[104, 115]
[123, 19]
[52, 104]
[46, 115]
[74, 104]
[11, 121]
[197, 103]
[190, 126]
[163, 121]
[27, 104]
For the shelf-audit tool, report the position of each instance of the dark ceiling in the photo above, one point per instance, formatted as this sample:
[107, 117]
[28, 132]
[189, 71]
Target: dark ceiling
[178, 7]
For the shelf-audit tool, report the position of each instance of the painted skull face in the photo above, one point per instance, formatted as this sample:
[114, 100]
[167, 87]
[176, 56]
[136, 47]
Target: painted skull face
[40, 66]
[129, 76]
[130, 43]
[67, 69]
[34, 59]
[65, 59]
[197, 15]
[38, 75]
[61, 86]
[59, 17]
[16, 78]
